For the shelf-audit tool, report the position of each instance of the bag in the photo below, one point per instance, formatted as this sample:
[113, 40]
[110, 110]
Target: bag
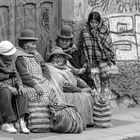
[39, 117]
[101, 112]
[65, 119]
[110, 69]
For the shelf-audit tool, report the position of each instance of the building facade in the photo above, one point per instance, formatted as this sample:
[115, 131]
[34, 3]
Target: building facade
[41, 16]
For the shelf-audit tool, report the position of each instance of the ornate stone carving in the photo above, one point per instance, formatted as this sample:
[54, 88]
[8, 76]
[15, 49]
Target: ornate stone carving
[46, 19]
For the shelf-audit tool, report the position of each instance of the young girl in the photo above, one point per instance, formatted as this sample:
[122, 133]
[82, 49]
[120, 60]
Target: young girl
[96, 43]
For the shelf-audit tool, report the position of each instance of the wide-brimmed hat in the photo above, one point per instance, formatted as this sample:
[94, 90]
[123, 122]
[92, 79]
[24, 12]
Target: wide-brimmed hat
[7, 48]
[57, 50]
[65, 32]
[27, 35]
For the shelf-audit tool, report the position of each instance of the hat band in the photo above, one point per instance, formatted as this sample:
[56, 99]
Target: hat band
[28, 38]
[67, 37]
[8, 50]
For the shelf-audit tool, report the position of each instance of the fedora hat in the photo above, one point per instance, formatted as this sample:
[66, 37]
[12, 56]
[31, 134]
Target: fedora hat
[27, 35]
[65, 32]
[7, 48]
[57, 50]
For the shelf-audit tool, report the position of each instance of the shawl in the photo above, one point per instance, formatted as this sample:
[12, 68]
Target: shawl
[8, 73]
[96, 44]
[7, 68]
[59, 75]
[21, 52]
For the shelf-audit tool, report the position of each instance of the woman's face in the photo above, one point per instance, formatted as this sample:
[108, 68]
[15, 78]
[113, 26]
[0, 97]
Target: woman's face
[94, 24]
[58, 59]
[8, 57]
[64, 43]
[30, 47]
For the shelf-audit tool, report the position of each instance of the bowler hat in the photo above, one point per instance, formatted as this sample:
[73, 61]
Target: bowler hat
[57, 50]
[7, 48]
[27, 35]
[65, 32]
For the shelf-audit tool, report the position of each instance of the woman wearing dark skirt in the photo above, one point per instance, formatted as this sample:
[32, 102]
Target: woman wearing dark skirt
[11, 90]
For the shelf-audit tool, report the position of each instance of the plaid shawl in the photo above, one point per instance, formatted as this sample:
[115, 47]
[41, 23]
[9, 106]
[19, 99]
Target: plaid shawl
[96, 44]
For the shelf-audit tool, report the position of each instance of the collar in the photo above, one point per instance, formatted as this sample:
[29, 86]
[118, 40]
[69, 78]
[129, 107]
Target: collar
[21, 52]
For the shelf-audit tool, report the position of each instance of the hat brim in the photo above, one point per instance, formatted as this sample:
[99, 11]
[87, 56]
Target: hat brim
[27, 38]
[11, 52]
[65, 37]
[51, 54]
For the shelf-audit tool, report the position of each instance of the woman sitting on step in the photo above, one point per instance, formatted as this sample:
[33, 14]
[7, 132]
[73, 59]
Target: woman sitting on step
[11, 92]
[76, 91]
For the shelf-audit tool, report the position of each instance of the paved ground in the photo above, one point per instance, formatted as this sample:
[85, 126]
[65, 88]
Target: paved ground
[126, 123]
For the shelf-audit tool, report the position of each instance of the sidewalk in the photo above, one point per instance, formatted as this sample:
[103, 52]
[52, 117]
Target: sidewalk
[126, 123]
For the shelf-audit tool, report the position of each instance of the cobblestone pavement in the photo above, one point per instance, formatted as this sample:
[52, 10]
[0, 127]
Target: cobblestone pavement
[126, 123]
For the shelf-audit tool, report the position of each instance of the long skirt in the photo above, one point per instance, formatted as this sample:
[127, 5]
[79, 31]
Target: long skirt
[84, 103]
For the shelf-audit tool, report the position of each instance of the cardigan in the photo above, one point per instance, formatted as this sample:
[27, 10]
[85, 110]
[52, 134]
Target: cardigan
[25, 76]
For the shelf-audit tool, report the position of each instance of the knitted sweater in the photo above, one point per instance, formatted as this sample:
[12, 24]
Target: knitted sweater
[25, 76]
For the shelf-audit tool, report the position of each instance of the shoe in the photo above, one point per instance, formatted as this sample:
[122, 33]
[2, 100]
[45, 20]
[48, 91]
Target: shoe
[23, 128]
[8, 127]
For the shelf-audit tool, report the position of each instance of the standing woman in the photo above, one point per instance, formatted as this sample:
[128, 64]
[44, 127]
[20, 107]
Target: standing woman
[96, 43]
[78, 61]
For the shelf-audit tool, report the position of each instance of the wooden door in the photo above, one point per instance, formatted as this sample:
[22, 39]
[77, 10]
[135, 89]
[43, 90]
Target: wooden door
[7, 20]
[41, 16]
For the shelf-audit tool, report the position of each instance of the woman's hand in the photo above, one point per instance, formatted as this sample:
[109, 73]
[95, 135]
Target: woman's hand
[22, 90]
[39, 89]
[13, 90]
[75, 71]
[89, 90]
[81, 71]
[78, 71]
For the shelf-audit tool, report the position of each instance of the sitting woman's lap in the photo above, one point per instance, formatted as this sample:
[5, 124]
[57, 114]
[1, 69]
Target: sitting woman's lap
[84, 103]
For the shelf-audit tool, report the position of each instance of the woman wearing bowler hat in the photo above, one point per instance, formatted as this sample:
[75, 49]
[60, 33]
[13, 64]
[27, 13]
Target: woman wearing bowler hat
[36, 78]
[78, 60]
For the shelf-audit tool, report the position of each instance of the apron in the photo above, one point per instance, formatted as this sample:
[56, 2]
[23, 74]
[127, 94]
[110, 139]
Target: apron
[49, 88]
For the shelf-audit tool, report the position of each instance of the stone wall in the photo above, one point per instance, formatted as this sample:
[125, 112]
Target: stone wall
[128, 82]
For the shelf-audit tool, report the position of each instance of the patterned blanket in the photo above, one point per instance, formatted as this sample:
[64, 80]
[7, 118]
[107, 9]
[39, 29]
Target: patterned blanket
[96, 44]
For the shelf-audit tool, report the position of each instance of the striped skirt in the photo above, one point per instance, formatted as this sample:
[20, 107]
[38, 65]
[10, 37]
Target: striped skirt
[66, 119]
